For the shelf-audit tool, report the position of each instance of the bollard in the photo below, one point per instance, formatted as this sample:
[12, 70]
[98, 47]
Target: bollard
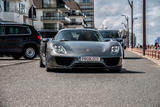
[158, 55]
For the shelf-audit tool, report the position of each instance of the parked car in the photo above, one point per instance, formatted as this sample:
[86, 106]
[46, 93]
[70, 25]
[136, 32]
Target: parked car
[19, 40]
[48, 33]
[80, 48]
[114, 35]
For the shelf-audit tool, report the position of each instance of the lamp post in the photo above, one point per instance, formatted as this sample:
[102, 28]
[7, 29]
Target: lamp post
[127, 19]
[124, 25]
[131, 6]
[144, 27]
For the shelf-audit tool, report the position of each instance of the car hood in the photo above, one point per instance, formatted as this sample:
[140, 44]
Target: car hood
[82, 48]
[113, 39]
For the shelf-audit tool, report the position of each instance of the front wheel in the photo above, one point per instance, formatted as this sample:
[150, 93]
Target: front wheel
[30, 52]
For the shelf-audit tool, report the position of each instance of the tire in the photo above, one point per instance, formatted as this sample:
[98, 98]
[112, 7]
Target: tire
[48, 70]
[41, 63]
[51, 70]
[17, 56]
[30, 52]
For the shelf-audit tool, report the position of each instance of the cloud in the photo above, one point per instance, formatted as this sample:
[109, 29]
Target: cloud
[108, 13]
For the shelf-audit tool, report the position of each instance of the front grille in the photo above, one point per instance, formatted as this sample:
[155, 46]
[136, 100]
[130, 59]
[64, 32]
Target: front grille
[111, 61]
[89, 65]
[64, 61]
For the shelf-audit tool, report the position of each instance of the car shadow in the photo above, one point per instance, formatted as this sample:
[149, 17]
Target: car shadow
[133, 58]
[89, 71]
[11, 59]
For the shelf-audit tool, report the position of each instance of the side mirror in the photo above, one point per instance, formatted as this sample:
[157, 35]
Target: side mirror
[45, 40]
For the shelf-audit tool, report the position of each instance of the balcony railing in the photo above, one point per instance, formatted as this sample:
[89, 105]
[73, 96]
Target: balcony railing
[87, 8]
[74, 23]
[58, 18]
[75, 14]
[89, 14]
[88, 20]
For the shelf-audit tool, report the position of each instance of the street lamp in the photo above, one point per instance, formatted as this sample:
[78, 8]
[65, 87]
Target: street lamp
[144, 27]
[127, 19]
[124, 25]
[131, 6]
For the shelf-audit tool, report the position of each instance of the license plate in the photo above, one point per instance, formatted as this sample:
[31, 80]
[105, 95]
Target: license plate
[89, 59]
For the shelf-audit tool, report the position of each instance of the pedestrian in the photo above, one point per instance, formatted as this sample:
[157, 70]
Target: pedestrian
[156, 45]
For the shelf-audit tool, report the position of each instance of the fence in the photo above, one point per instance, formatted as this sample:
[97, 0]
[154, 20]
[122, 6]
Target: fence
[149, 52]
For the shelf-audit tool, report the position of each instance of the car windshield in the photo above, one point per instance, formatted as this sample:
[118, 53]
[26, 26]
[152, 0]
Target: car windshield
[79, 35]
[110, 34]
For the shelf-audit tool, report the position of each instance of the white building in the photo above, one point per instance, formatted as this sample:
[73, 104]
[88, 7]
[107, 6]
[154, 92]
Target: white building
[15, 11]
[76, 16]
[51, 14]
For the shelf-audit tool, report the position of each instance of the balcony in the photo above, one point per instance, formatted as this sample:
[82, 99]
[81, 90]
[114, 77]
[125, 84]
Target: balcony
[88, 20]
[87, 8]
[89, 14]
[75, 14]
[55, 18]
[11, 17]
[74, 23]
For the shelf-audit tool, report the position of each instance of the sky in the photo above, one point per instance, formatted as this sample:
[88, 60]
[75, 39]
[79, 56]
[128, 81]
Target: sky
[108, 13]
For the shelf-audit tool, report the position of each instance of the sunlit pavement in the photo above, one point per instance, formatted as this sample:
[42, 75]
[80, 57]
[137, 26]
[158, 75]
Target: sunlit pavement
[28, 85]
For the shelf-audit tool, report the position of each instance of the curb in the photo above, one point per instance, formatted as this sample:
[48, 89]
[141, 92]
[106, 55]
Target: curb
[149, 58]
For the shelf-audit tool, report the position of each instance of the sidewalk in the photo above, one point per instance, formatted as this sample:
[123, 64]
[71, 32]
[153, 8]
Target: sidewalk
[147, 57]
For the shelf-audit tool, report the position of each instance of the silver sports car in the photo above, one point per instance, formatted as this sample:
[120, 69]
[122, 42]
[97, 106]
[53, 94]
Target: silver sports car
[80, 48]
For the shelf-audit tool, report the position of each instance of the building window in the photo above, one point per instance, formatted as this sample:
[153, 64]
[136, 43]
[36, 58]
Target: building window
[1, 5]
[73, 20]
[50, 26]
[49, 3]
[2, 31]
[89, 25]
[21, 8]
[86, 1]
[49, 14]
[9, 6]
[6, 6]
[18, 30]
[83, 1]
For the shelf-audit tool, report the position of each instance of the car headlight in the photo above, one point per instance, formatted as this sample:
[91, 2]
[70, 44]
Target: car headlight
[59, 49]
[115, 50]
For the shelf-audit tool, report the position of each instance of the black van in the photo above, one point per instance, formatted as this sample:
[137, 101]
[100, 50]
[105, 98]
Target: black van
[19, 40]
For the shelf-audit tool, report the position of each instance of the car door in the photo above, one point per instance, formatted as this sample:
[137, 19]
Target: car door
[3, 37]
[17, 36]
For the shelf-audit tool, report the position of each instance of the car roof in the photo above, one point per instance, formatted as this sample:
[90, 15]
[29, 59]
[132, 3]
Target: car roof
[50, 31]
[13, 24]
[75, 29]
[110, 30]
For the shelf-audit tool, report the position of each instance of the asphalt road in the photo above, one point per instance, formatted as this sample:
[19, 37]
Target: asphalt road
[28, 85]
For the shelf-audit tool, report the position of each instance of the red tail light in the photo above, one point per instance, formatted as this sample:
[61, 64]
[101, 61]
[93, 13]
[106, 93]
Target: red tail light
[39, 37]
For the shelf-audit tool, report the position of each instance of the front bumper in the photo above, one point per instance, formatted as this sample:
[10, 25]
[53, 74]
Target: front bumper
[62, 62]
